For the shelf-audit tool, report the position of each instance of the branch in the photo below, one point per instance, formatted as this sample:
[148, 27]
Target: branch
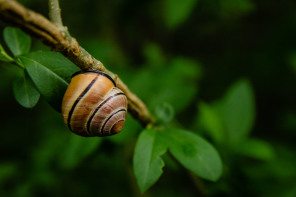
[50, 34]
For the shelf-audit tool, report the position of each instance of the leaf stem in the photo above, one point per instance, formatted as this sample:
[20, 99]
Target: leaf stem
[4, 56]
[18, 63]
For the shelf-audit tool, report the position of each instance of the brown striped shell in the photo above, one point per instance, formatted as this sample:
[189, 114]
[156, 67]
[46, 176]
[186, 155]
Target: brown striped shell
[93, 105]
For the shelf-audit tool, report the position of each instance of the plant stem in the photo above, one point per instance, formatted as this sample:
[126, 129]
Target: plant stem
[18, 63]
[6, 57]
[55, 12]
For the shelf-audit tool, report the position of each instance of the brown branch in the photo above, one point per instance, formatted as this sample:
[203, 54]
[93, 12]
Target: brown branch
[41, 28]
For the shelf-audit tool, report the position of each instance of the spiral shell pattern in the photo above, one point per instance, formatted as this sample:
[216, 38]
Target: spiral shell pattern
[93, 105]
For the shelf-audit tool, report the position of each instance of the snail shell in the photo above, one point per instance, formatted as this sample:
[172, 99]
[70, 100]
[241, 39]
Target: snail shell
[93, 105]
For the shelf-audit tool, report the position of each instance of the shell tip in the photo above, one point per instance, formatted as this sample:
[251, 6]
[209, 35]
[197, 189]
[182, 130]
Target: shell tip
[117, 127]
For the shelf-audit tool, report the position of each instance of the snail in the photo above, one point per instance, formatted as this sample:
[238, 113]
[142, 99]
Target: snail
[93, 105]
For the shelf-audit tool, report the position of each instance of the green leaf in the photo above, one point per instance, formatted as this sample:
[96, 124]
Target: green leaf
[178, 85]
[256, 149]
[147, 160]
[176, 12]
[211, 122]
[4, 56]
[238, 111]
[51, 73]
[175, 84]
[165, 112]
[17, 41]
[154, 55]
[25, 92]
[195, 154]
[77, 149]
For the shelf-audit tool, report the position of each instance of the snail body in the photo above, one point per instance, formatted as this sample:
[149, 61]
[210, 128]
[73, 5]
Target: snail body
[93, 105]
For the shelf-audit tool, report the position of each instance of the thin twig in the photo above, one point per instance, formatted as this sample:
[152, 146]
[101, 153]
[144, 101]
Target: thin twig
[55, 17]
[55, 12]
[40, 27]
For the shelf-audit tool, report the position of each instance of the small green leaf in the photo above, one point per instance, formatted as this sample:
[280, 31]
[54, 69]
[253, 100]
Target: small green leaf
[25, 92]
[4, 56]
[51, 73]
[147, 160]
[165, 112]
[175, 85]
[195, 154]
[256, 149]
[211, 122]
[77, 149]
[17, 41]
[238, 111]
[176, 12]
[154, 55]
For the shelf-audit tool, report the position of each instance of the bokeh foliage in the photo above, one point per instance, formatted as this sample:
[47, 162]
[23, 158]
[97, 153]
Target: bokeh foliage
[227, 68]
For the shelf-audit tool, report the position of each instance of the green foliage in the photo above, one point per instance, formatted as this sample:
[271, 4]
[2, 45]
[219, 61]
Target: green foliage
[210, 120]
[17, 41]
[176, 12]
[169, 79]
[50, 73]
[154, 55]
[257, 149]
[238, 111]
[147, 160]
[195, 154]
[164, 113]
[230, 119]
[25, 91]
[77, 150]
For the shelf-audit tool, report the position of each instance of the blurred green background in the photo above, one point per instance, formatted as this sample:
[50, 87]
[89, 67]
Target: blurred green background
[187, 54]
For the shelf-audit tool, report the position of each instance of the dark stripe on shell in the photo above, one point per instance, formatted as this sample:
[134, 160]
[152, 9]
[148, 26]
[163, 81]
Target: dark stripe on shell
[78, 99]
[102, 130]
[99, 107]
[95, 71]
